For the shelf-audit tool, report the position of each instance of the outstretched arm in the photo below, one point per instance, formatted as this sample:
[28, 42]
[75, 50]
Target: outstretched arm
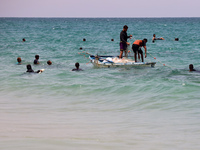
[130, 38]
[145, 49]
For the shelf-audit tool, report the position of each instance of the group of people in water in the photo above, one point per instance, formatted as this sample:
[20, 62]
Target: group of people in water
[137, 45]
[36, 62]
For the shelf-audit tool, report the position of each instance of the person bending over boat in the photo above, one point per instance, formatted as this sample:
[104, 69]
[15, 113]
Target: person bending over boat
[30, 70]
[77, 67]
[154, 38]
[123, 41]
[136, 47]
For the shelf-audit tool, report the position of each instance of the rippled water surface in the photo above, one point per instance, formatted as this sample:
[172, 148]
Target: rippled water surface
[98, 108]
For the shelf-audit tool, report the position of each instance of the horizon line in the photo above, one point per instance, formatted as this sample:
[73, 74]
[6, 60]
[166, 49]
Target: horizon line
[100, 17]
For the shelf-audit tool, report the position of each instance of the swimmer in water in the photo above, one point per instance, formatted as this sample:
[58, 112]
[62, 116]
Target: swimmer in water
[19, 61]
[154, 38]
[36, 59]
[49, 62]
[23, 40]
[191, 67]
[176, 39]
[77, 67]
[30, 70]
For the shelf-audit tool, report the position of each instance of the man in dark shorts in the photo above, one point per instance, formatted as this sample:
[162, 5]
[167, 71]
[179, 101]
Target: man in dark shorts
[123, 41]
[136, 47]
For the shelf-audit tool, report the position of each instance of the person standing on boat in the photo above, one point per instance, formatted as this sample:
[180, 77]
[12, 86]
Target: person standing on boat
[136, 47]
[123, 41]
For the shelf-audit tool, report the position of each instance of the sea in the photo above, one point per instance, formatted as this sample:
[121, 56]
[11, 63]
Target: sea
[122, 108]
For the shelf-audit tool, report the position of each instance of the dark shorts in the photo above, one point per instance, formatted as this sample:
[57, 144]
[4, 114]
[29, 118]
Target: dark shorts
[136, 49]
[123, 46]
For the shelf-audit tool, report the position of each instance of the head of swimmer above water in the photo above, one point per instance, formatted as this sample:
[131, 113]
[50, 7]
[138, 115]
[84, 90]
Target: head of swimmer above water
[77, 65]
[28, 67]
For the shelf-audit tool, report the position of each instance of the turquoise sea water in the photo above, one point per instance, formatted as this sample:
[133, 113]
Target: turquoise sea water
[103, 109]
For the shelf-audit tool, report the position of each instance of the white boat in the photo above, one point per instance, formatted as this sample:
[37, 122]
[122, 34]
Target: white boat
[113, 61]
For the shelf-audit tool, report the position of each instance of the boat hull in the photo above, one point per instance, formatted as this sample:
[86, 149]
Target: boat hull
[100, 61]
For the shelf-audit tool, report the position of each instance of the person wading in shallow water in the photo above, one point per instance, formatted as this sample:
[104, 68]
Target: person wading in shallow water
[36, 61]
[191, 67]
[19, 61]
[77, 67]
[30, 70]
[49, 62]
[123, 41]
[155, 38]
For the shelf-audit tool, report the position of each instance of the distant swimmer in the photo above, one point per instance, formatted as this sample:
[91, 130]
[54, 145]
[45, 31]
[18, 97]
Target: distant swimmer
[123, 41]
[36, 59]
[23, 40]
[136, 47]
[19, 61]
[77, 67]
[49, 62]
[154, 38]
[30, 70]
[176, 39]
[191, 67]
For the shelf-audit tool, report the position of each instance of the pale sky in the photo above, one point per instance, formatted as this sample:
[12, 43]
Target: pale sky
[100, 8]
